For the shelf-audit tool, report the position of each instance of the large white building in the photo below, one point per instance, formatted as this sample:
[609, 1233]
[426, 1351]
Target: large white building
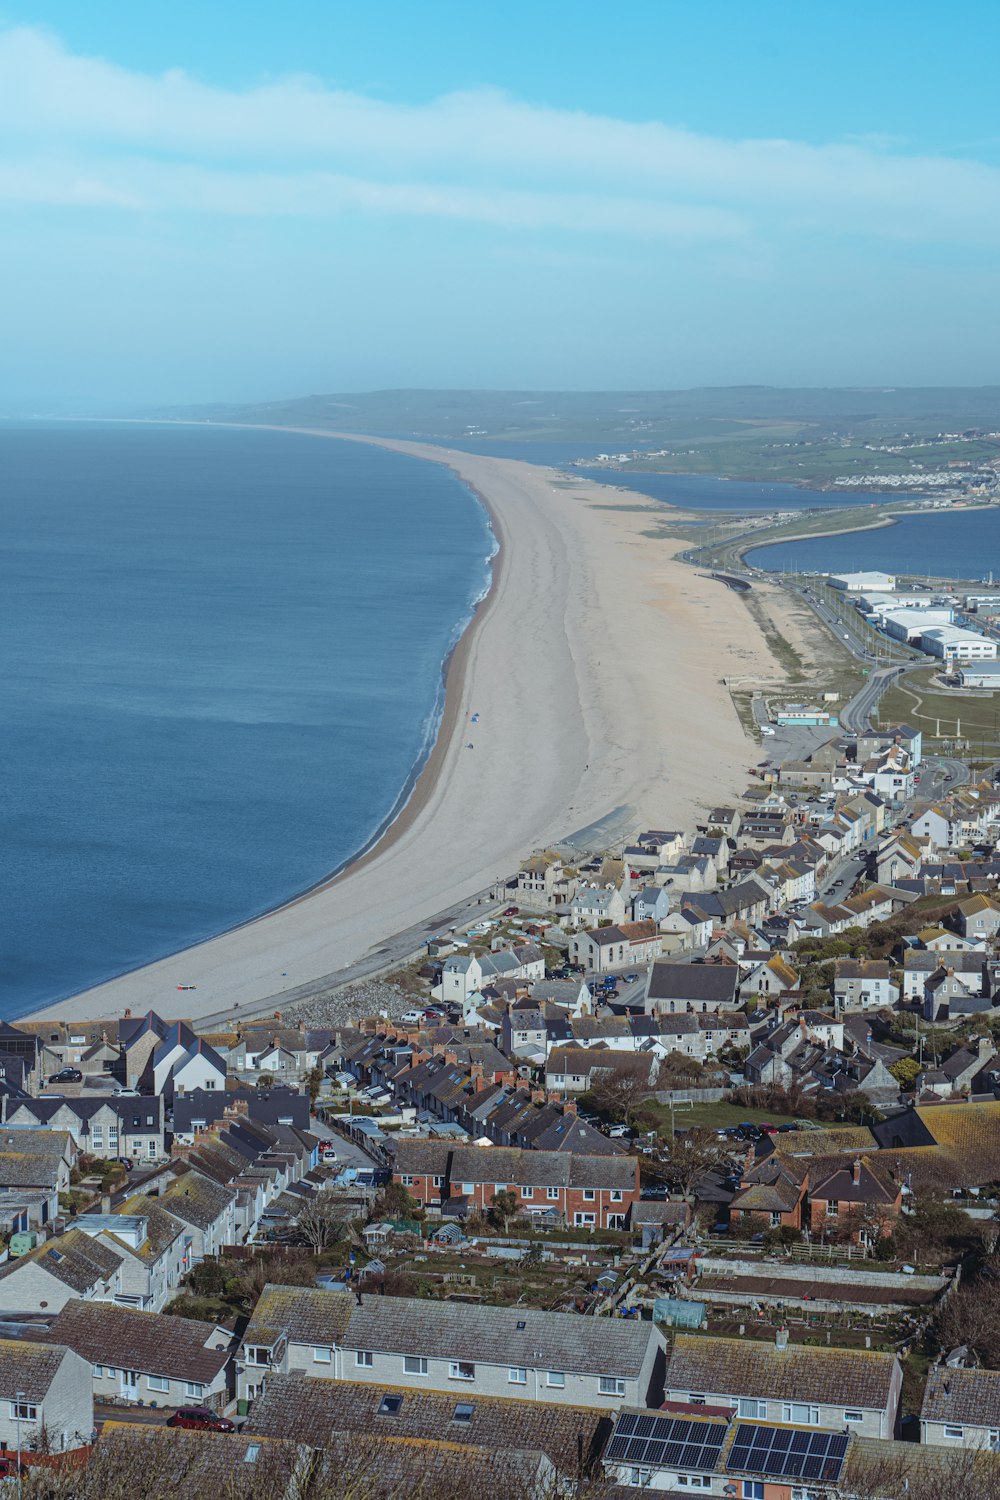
[862, 583]
[877, 604]
[909, 624]
[953, 644]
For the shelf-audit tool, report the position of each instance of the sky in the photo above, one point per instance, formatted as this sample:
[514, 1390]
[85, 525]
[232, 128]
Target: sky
[206, 201]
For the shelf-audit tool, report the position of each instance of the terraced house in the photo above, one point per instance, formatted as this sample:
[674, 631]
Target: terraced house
[831, 1389]
[590, 1192]
[465, 1350]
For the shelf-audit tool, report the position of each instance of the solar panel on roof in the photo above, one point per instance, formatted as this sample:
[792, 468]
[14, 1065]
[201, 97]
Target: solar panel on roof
[784, 1454]
[626, 1424]
[616, 1447]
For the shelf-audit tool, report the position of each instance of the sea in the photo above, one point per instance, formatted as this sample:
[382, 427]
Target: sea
[221, 658]
[946, 544]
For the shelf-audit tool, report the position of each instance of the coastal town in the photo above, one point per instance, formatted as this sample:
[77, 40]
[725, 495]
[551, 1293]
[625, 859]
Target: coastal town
[671, 1166]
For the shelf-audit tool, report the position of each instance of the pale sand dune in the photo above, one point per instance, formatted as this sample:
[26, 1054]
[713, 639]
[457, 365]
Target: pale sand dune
[595, 665]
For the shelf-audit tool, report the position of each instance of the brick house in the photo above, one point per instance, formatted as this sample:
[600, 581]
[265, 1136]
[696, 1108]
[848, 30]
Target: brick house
[854, 1197]
[594, 1192]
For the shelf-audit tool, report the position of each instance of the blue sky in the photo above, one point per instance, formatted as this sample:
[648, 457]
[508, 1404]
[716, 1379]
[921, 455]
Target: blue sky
[216, 201]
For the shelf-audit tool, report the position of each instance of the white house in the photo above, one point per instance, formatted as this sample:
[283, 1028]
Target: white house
[45, 1390]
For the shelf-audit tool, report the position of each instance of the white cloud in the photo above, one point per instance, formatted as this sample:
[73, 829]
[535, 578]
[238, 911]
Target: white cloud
[84, 130]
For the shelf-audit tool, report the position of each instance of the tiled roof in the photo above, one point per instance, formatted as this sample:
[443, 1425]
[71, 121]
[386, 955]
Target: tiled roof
[710, 982]
[74, 1258]
[971, 1396]
[492, 1335]
[182, 1463]
[151, 1343]
[309, 1411]
[197, 1200]
[28, 1367]
[743, 1367]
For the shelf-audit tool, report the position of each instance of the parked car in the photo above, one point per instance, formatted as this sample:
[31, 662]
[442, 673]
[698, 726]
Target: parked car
[412, 1017]
[512, 911]
[11, 1469]
[127, 1162]
[125, 1093]
[67, 1075]
[201, 1418]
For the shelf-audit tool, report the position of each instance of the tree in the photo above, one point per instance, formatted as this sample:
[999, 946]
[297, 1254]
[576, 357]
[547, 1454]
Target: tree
[321, 1222]
[504, 1207]
[686, 1158]
[314, 1082]
[906, 1071]
[619, 1095]
[266, 1081]
[394, 1202]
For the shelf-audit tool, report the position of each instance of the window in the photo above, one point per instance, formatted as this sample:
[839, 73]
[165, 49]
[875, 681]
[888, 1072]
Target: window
[363, 1358]
[756, 1411]
[438, 1181]
[257, 1355]
[517, 1375]
[407, 1179]
[556, 1378]
[589, 1195]
[461, 1369]
[113, 1137]
[583, 1220]
[99, 1371]
[194, 1388]
[463, 1412]
[149, 1119]
[23, 1411]
[610, 1385]
[414, 1364]
[697, 1398]
[854, 1416]
[389, 1406]
[527, 1192]
[616, 1195]
[158, 1382]
[468, 1188]
[322, 1356]
[552, 1194]
[97, 1137]
[639, 1476]
[955, 1432]
[753, 1489]
[694, 1482]
[250, 1456]
[833, 1209]
[798, 1411]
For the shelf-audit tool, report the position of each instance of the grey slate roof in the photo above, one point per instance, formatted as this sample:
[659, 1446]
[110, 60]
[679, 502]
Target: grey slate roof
[715, 983]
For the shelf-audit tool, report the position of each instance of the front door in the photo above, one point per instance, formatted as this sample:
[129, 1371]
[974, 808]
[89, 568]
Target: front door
[129, 1384]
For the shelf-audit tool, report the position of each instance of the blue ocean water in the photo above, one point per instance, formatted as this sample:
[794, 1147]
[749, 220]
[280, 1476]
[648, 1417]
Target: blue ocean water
[221, 658]
[960, 544]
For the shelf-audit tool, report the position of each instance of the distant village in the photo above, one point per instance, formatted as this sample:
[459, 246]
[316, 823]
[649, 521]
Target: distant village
[674, 1170]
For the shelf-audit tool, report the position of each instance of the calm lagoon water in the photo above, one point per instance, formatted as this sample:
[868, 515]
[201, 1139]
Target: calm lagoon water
[963, 544]
[221, 657]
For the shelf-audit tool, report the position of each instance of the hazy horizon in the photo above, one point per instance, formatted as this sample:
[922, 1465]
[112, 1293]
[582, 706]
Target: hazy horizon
[222, 205]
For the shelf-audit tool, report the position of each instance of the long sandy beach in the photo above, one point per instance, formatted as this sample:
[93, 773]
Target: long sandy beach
[596, 668]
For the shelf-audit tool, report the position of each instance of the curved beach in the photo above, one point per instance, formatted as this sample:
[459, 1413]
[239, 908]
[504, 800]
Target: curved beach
[596, 666]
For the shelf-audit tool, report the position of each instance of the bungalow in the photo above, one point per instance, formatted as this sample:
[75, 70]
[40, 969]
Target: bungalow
[463, 1349]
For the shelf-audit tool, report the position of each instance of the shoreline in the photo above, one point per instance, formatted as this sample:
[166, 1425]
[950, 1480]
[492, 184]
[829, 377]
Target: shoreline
[462, 821]
[892, 518]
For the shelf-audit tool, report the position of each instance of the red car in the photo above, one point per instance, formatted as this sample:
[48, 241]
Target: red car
[512, 911]
[9, 1468]
[201, 1419]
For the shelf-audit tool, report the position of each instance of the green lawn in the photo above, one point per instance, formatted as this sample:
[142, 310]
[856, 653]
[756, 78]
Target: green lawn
[719, 1116]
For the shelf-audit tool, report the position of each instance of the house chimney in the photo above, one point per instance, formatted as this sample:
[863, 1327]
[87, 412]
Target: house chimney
[856, 1170]
[569, 1107]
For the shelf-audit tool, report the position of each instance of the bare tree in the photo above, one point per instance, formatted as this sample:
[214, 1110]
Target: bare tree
[685, 1159]
[620, 1094]
[321, 1222]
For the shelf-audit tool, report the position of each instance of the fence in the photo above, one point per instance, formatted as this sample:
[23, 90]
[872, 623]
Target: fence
[690, 1096]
